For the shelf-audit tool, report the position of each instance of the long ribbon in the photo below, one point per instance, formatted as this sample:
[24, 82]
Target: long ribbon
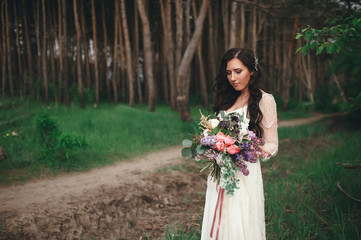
[219, 205]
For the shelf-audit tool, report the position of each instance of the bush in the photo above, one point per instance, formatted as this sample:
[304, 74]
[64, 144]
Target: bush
[57, 146]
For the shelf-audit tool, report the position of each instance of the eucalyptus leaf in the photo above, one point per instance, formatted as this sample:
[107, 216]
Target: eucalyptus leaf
[186, 152]
[187, 143]
[200, 149]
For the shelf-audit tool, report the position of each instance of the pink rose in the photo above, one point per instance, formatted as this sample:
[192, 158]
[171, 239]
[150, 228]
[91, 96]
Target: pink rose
[229, 141]
[233, 149]
[220, 137]
[220, 146]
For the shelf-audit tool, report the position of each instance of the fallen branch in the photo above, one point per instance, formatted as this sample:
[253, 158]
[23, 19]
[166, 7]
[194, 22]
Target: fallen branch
[348, 195]
[348, 165]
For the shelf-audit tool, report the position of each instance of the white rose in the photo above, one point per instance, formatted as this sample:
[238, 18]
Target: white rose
[213, 123]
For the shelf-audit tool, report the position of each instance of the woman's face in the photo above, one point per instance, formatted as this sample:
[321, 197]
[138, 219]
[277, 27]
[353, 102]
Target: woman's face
[238, 75]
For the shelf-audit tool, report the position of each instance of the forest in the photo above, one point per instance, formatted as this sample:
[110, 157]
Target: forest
[163, 51]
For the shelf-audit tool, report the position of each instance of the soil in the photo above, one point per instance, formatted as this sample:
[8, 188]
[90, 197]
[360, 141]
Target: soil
[137, 199]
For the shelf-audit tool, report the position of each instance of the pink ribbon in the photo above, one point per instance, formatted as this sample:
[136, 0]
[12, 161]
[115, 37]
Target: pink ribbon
[219, 205]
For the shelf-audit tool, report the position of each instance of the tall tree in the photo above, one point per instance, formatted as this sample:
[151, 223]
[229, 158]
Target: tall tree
[183, 70]
[148, 55]
[78, 55]
[3, 51]
[95, 47]
[8, 49]
[65, 54]
[115, 53]
[128, 54]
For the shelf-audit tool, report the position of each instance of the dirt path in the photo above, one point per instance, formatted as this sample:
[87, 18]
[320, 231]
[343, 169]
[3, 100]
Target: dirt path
[128, 200]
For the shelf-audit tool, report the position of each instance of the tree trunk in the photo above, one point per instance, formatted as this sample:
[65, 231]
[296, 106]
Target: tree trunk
[243, 25]
[18, 51]
[43, 55]
[183, 70]
[28, 49]
[115, 53]
[105, 34]
[233, 28]
[85, 43]
[3, 58]
[95, 47]
[148, 54]
[78, 55]
[211, 47]
[65, 54]
[170, 54]
[60, 41]
[225, 20]
[202, 78]
[8, 52]
[179, 33]
[121, 77]
[128, 54]
[254, 29]
[136, 53]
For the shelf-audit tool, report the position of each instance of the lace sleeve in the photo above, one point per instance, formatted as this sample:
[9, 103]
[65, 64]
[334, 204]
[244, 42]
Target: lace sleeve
[268, 108]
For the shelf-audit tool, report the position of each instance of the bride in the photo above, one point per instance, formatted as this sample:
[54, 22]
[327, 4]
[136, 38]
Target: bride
[237, 90]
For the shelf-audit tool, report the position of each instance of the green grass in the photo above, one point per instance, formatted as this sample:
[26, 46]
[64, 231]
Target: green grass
[112, 132]
[302, 200]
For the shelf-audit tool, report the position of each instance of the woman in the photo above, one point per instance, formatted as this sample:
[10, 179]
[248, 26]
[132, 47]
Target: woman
[237, 89]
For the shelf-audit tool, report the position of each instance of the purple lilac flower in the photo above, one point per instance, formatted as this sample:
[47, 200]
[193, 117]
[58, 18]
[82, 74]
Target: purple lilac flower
[223, 124]
[234, 118]
[209, 141]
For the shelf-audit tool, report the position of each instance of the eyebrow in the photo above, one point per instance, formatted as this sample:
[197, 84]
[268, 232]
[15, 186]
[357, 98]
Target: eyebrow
[234, 69]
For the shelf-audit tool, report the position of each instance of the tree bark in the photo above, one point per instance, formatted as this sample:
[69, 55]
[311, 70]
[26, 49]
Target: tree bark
[211, 47]
[115, 53]
[78, 55]
[95, 47]
[105, 34]
[3, 51]
[128, 54]
[18, 51]
[225, 20]
[43, 55]
[202, 77]
[233, 28]
[183, 70]
[8, 52]
[243, 26]
[85, 44]
[179, 33]
[65, 54]
[136, 53]
[148, 55]
[60, 41]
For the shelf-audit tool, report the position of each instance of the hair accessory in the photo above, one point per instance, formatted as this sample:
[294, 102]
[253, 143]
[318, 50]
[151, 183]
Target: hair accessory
[255, 62]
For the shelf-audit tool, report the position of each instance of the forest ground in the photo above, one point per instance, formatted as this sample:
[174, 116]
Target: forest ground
[136, 199]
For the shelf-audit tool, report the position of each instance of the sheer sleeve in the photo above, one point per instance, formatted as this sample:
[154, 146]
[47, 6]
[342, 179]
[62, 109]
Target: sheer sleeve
[268, 108]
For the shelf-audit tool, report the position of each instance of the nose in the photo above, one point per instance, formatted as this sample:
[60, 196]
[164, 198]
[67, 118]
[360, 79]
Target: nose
[233, 76]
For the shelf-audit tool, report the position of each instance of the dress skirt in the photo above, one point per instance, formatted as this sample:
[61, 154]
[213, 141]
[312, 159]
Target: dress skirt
[237, 217]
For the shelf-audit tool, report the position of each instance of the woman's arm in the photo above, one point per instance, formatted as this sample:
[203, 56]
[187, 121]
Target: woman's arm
[268, 108]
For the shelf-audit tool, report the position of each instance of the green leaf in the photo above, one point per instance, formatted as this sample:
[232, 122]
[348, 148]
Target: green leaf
[299, 35]
[305, 49]
[186, 152]
[187, 143]
[330, 48]
[298, 49]
[201, 149]
[319, 50]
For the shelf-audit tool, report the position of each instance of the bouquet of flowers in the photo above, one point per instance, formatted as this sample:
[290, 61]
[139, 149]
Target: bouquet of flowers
[224, 144]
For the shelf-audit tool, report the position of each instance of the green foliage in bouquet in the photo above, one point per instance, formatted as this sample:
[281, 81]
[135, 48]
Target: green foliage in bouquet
[57, 146]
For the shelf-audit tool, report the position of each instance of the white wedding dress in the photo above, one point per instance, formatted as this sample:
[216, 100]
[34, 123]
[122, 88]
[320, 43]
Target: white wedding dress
[242, 217]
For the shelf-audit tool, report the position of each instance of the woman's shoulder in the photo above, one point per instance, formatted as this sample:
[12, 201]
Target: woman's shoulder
[267, 97]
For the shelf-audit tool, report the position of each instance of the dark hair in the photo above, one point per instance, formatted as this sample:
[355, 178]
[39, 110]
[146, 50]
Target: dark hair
[226, 95]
